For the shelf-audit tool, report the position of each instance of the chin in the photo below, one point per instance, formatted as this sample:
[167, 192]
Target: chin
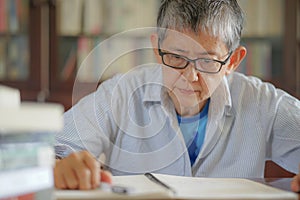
[189, 103]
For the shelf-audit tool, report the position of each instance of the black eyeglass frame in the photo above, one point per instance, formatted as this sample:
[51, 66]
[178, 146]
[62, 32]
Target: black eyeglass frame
[161, 53]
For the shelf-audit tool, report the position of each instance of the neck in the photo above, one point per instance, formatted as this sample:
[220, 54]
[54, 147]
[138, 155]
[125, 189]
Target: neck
[190, 111]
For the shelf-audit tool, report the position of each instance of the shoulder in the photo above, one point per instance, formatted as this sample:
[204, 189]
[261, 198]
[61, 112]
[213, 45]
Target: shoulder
[246, 81]
[251, 86]
[133, 78]
[137, 84]
[253, 95]
[117, 92]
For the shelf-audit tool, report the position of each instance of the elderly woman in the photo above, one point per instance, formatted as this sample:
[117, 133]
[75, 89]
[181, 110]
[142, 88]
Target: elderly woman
[190, 114]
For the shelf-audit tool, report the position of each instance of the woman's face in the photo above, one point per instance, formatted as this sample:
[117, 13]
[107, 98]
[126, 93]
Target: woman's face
[189, 88]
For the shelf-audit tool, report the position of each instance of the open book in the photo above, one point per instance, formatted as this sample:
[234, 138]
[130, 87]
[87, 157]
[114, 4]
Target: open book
[178, 187]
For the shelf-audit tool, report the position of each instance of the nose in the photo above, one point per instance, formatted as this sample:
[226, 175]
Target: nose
[190, 73]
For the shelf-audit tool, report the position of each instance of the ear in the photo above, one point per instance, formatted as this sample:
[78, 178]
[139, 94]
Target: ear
[236, 58]
[154, 42]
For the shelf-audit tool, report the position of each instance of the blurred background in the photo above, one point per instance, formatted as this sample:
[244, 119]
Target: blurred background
[43, 43]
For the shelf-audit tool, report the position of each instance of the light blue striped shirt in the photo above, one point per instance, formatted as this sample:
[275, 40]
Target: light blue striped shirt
[132, 120]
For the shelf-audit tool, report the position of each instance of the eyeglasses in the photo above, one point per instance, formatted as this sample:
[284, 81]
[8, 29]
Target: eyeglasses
[205, 65]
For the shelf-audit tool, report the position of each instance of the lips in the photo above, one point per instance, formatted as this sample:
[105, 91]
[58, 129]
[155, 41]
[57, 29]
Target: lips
[188, 92]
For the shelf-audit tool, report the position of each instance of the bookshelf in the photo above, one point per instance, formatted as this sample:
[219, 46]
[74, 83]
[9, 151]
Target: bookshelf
[291, 75]
[263, 37]
[14, 40]
[58, 33]
[270, 36]
[23, 47]
[97, 27]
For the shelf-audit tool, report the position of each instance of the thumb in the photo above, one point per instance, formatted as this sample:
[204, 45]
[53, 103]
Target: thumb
[105, 176]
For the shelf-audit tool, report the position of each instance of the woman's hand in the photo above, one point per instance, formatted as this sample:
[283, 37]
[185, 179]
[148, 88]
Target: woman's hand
[79, 170]
[295, 184]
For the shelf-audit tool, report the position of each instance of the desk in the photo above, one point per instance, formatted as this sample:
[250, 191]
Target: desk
[281, 183]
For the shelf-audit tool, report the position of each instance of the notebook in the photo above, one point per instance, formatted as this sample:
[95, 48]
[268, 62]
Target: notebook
[179, 187]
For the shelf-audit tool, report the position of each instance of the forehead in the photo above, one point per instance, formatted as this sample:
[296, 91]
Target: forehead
[188, 41]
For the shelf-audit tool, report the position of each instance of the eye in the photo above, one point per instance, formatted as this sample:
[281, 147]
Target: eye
[176, 56]
[174, 60]
[206, 60]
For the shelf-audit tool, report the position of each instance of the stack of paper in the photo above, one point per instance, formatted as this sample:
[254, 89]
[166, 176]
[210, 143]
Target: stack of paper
[26, 146]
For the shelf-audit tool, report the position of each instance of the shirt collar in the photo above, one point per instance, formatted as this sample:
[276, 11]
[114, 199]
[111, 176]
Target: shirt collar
[221, 98]
[154, 86]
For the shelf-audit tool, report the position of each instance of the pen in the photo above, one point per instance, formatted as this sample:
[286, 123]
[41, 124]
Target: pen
[157, 181]
[115, 188]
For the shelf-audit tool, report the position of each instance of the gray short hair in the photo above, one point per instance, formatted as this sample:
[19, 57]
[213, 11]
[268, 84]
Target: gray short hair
[218, 18]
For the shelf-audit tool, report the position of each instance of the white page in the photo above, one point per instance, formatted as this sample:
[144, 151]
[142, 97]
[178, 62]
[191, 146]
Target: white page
[186, 188]
[222, 188]
[139, 186]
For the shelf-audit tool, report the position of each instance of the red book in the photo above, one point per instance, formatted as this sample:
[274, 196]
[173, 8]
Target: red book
[3, 16]
[29, 196]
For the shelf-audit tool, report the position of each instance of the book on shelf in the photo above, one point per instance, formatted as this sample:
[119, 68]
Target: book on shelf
[67, 52]
[179, 187]
[69, 16]
[23, 15]
[93, 17]
[14, 16]
[258, 61]
[87, 17]
[84, 59]
[125, 15]
[17, 65]
[117, 57]
[267, 20]
[3, 44]
[3, 16]
[69, 66]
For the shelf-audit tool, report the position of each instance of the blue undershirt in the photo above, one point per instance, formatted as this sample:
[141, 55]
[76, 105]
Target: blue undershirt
[193, 130]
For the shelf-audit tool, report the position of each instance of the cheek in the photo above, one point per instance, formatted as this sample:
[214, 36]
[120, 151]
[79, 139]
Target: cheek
[212, 82]
[170, 77]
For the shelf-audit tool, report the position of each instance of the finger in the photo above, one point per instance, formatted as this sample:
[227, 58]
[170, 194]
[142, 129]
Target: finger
[69, 175]
[295, 184]
[94, 168]
[106, 176]
[59, 181]
[83, 174]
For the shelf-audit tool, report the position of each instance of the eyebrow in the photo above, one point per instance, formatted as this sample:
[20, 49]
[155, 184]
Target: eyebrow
[205, 53]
